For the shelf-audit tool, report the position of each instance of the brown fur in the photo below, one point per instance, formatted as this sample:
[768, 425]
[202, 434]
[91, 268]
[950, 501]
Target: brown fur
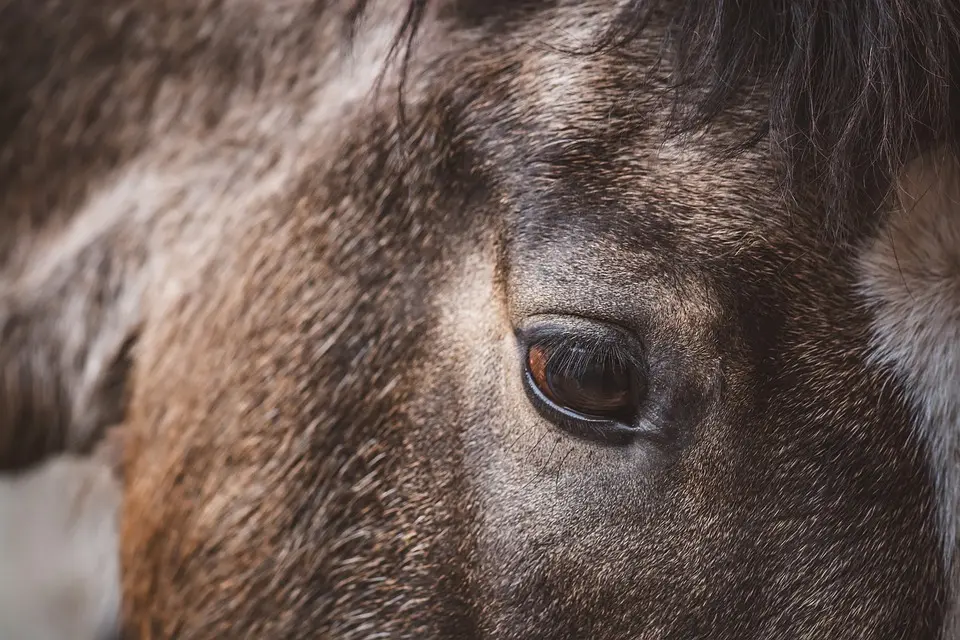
[324, 429]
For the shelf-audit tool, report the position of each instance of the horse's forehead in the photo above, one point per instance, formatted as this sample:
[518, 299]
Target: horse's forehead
[580, 140]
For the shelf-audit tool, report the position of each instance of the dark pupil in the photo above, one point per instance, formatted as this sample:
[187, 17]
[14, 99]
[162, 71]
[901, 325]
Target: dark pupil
[584, 383]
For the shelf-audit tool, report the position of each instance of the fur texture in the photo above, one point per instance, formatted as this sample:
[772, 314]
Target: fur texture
[911, 278]
[302, 299]
[855, 88]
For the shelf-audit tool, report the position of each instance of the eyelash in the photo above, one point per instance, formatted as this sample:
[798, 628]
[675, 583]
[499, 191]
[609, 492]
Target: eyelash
[603, 351]
[573, 356]
[589, 349]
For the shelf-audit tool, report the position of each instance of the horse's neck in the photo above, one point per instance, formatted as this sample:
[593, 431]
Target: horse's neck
[164, 128]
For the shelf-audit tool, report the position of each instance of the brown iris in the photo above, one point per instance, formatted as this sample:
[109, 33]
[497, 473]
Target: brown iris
[582, 382]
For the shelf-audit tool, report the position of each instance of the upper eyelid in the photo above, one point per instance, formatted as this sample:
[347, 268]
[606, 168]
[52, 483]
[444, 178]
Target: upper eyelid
[616, 341]
[560, 317]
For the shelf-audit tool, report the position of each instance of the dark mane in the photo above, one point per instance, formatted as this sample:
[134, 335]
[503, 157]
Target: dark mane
[858, 87]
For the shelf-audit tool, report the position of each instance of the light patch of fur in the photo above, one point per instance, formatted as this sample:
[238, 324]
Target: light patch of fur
[684, 153]
[911, 277]
[59, 560]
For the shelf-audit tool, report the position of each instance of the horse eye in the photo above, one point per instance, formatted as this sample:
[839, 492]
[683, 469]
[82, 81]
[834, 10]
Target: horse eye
[582, 382]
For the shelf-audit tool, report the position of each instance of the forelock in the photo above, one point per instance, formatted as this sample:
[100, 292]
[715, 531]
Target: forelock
[856, 88]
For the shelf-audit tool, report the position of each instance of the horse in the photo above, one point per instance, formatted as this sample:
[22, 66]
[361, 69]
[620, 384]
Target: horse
[468, 319]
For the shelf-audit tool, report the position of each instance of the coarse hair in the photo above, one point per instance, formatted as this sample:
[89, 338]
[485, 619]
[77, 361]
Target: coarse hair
[857, 88]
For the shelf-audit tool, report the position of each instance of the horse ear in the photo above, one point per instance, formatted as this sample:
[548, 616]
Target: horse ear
[68, 327]
[911, 278]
